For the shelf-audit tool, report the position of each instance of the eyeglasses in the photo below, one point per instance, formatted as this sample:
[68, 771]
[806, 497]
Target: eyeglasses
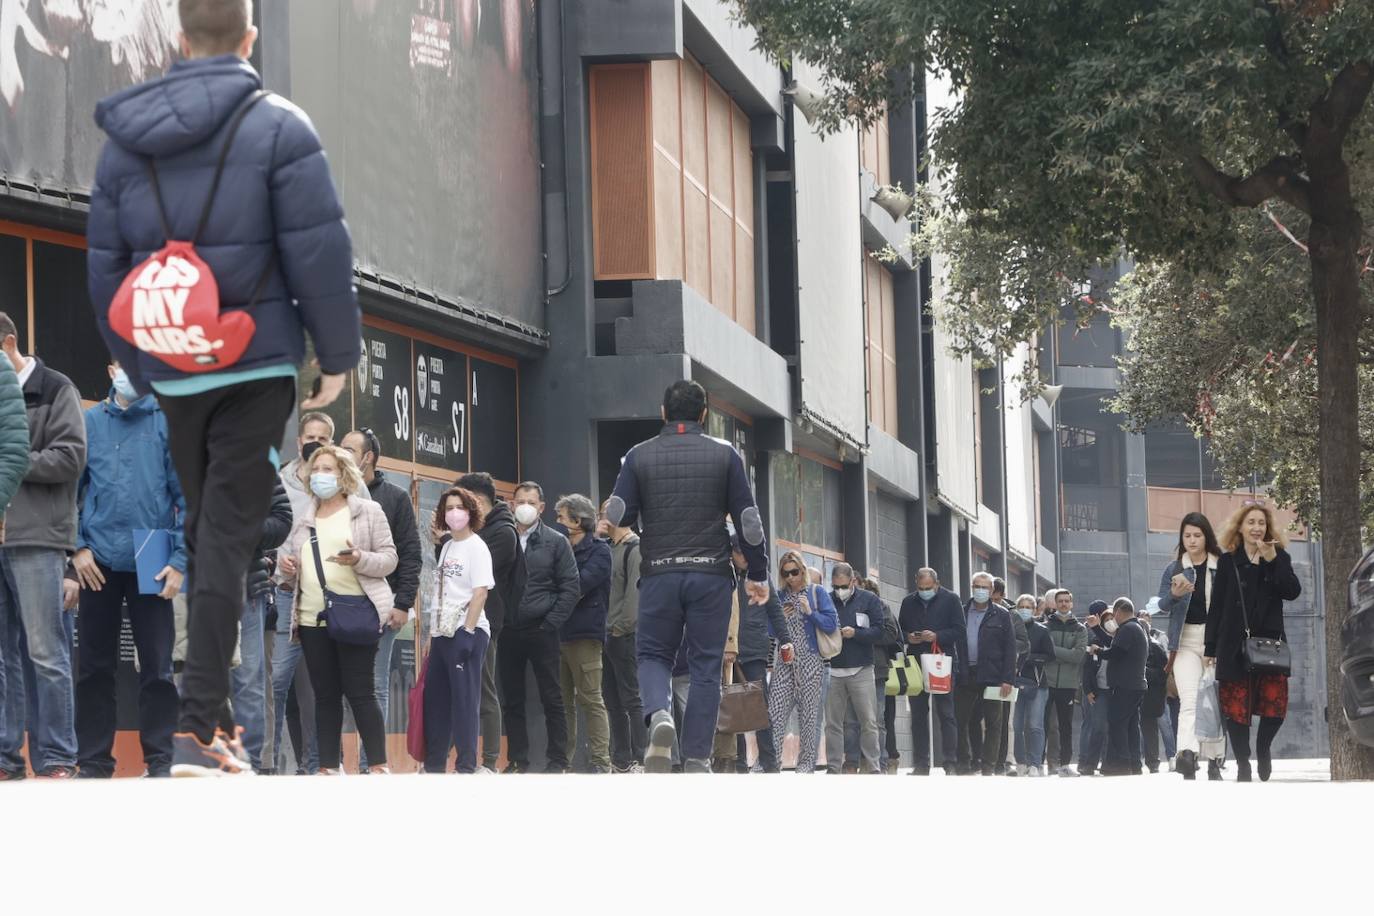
[1256, 502]
[791, 573]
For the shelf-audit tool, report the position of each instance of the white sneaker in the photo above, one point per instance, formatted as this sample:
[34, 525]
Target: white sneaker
[1023, 770]
[1068, 770]
[1035, 771]
[484, 771]
[658, 757]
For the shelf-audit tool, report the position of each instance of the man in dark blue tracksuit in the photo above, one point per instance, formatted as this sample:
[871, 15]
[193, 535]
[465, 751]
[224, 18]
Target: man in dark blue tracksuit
[681, 486]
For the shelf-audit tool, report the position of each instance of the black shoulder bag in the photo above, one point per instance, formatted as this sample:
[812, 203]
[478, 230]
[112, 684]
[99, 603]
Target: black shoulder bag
[350, 619]
[1262, 655]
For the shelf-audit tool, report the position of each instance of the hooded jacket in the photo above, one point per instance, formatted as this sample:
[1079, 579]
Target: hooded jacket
[128, 483]
[622, 617]
[1070, 640]
[14, 435]
[275, 229]
[43, 511]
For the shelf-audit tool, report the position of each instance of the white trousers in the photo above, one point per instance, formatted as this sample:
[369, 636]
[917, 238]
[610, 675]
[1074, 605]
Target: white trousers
[1188, 667]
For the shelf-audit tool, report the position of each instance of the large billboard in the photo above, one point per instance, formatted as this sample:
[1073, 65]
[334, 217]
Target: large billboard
[57, 59]
[429, 109]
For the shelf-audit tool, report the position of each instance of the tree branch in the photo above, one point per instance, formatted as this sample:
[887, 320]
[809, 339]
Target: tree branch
[1343, 102]
[1279, 177]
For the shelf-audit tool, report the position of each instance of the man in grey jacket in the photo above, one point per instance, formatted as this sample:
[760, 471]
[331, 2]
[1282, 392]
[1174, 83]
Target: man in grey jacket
[40, 530]
[620, 669]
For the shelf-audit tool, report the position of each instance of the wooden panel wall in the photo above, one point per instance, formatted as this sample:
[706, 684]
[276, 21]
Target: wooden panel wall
[622, 181]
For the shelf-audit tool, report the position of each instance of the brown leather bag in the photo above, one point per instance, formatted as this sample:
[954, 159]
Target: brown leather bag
[743, 706]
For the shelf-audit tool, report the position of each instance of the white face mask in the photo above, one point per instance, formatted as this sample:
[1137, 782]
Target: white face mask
[845, 593]
[1109, 625]
[526, 515]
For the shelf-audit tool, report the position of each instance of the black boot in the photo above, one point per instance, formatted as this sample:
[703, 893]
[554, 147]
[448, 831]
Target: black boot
[1240, 747]
[1214, 771]
[1187, 765]
[1268, 728]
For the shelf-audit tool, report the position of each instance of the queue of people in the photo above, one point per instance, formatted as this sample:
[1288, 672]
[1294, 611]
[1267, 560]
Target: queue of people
[510, 592]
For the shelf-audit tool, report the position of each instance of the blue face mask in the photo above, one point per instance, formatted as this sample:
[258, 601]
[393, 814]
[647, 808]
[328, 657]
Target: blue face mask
[1025, 613]
[981, 595]
[123, 387]
[324, 485]
[926, 593]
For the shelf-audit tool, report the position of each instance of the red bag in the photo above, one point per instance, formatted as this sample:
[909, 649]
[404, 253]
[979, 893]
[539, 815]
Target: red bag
[415, 727]
[169, 307]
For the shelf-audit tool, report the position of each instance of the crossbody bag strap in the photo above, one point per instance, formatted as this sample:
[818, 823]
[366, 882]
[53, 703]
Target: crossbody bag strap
[319, 566]
[1240, 593]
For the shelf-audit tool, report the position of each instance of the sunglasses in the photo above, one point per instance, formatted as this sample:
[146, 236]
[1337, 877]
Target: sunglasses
[1253, 503]
[791, 573]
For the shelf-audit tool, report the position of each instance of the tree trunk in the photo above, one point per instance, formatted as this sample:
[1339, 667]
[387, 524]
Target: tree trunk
[1333, 247]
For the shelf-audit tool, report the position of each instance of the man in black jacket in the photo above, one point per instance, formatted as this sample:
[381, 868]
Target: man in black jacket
[1126, 658]
[932, 616]
[550, 592]
[989, 663]
[680, 486]
[503, 543]
[362, 444]
[851, 672]
[248, 682]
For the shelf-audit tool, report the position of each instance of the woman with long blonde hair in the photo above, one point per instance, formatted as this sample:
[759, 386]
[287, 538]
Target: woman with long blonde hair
[1251, 605]
[798, 679]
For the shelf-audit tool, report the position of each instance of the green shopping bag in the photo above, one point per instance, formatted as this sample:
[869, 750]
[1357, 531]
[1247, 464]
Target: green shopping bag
[904, 678]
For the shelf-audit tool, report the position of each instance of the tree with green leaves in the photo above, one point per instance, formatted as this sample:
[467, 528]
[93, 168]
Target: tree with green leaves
[1083, 128]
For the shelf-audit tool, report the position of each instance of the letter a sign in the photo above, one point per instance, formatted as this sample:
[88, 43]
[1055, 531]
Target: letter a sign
[168, 307]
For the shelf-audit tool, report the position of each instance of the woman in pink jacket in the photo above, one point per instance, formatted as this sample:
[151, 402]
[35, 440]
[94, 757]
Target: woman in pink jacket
[356, 552]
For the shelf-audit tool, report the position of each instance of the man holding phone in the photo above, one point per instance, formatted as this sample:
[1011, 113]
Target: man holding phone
[932, 615]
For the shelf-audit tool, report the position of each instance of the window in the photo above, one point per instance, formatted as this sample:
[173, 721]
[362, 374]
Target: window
[43, 285]
[438, 407]
[808, 504]
[880, 339]
[673, 181]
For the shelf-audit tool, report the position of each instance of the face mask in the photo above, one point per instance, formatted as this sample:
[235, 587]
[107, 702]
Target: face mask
[1109, 626]
[1025, 613]
[123, 387]
[926, 593]
[526, 514]
[324, 485]
[844, 593]
[1063, 615]
[981, 595]
[456, 519]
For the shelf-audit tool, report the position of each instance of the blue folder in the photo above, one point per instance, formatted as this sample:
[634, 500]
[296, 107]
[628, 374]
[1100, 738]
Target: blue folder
[152, 553]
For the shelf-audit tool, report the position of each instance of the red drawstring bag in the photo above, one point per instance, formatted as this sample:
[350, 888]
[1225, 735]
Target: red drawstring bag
[169, 307]
[415, 728]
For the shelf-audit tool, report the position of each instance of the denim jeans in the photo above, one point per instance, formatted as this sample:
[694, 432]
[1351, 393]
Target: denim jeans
[286, 657]
[383, 675]
[1029, 725]
[1093, 745]
[35, 660]
[248, 681]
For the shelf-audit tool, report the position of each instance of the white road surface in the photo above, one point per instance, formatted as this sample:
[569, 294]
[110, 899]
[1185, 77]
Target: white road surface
[870, 845]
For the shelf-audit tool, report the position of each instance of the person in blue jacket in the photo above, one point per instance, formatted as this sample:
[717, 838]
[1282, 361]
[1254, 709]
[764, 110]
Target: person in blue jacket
[129, 484]
[201, 155]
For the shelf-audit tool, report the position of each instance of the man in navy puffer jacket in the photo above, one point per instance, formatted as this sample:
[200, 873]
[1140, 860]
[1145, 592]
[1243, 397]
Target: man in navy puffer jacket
[276, 242]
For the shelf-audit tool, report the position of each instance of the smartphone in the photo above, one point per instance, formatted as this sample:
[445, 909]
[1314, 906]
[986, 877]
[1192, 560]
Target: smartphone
[315, 386]
[344, 553]
[1191, 574]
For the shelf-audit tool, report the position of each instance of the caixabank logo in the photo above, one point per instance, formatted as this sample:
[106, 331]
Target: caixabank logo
[168, 307]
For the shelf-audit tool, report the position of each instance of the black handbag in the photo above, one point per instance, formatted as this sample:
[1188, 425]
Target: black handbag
[1261, 654]
[349, 619]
